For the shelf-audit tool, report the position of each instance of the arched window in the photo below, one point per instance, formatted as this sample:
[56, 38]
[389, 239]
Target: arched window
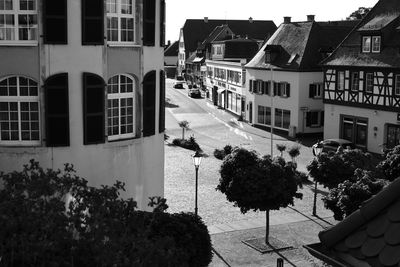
[19, 111]
[120, 108]
[149, 103]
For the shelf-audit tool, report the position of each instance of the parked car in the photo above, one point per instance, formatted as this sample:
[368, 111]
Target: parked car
[333, 144]
[194, 92]
[179, 84]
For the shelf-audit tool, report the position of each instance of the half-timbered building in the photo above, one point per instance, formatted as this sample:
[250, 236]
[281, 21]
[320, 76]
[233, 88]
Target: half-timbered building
[362, 82]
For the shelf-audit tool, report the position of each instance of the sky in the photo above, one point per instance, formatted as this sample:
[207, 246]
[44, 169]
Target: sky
[179, 10]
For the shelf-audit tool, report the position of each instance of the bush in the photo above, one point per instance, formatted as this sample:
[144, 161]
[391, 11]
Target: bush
[294, 152]
[98, 228]
[187, 143]
[390, 166]
[221, 153]
[281, 148]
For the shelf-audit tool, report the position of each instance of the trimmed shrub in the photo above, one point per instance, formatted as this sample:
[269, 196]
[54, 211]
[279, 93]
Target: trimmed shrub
[187, 143]
[221, 153]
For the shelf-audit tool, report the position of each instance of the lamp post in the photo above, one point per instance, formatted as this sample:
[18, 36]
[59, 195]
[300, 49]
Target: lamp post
[271, 89]
[317, 149]
[196, 162]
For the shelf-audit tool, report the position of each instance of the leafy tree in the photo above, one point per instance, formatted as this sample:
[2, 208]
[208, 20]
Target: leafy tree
[359, 13]
[254, 183]
[185, 126]
[281, 148]
[221, 153]
[98, 228]
[294, 152]
[333, 168]
[390, 166]
[350, 194]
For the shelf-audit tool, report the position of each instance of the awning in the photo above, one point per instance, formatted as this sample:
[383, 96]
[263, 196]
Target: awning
[198, 59]
[220, 90]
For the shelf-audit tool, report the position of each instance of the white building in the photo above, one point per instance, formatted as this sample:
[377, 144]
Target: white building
[290, 60]
[82, 82]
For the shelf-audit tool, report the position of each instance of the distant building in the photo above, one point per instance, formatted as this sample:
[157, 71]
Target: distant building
[171, 59]
[292, 102]
[362, 82]
[195, 31]
[82, 82]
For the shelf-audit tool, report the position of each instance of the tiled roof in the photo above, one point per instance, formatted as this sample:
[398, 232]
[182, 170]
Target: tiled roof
[372, 233]
[239, 48]
[196, 30]
[190, 59]
[172, 50]
[384, 18]
[214, 35]
[302, 44]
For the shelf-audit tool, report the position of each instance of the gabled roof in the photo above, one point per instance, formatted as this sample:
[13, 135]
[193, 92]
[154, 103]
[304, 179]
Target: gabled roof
[172, 50]
[196, 30]
[213, 36]
[383, 19]
[302, 44]
[372, 233]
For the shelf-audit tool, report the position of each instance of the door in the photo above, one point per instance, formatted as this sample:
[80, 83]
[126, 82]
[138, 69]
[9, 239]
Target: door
[392, 135]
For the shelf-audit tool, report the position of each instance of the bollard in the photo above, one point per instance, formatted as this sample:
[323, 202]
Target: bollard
[279, 262]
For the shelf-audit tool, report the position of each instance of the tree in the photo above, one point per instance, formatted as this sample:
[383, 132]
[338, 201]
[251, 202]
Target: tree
[281, 148]
[185, 126]
[350, 194]
[390, 166]
[360, 13]
[254, 183]
[333, 168]
[294, 152]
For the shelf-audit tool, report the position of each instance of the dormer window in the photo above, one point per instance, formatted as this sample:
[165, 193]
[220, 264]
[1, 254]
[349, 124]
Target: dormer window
[371, 44]
[268, 57]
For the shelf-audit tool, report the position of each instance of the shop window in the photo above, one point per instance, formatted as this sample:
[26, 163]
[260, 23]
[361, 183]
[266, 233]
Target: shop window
[264, 115]
[282, 118]
[392, 135]
[314, 118]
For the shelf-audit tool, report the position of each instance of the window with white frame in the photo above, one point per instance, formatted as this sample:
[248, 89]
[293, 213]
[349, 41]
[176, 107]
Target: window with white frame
[18, 21]
[121, 21]
[354, 81]
[376, 44]
[369, 82]
[366, 44]
[397, 85]
[340, 80]
[120, 108]
[19, 111]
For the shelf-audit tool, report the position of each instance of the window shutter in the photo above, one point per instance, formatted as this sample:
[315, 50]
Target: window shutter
[311, 93]
[267, 88]
[93, 109]
[149, 23]
[250, 86]
[308, 119]
[279, 86]
[57, 110]
[55, 22]
[275, 88]
[162, 23]
[288, 90]
[92, 22]
[161, 125]
[149, 103]
[262, 87]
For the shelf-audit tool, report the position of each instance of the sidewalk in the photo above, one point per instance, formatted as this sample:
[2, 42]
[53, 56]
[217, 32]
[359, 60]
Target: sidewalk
[228, 243]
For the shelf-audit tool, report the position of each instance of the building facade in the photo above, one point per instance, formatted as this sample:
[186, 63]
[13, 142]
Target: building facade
[284, 83]
[82, 82]
[362, 82]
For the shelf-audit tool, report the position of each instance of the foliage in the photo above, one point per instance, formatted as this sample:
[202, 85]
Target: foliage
[333, 168]
[281, 148]
[359, 13]
[350, 194]
[185, 126]
[98, 228]
[294, 151]
[221, 153]
[166, 137]
[190, 143]
[254, 183]
[390, 166]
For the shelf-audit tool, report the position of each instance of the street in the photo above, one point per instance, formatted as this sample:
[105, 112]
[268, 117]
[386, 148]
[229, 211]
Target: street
[214, 128]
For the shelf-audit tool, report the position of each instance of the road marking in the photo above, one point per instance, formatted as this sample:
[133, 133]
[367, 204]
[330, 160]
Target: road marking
[232, 129]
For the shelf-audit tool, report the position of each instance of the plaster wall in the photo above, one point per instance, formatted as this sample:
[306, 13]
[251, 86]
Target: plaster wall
[19, 61]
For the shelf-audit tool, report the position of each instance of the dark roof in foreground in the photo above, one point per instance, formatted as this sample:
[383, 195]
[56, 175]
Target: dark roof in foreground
[371, 234]
[172, 50]
[302, 45]
[196, 30]
[383, 19]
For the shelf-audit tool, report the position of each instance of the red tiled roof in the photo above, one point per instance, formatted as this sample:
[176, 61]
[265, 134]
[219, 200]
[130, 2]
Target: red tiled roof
[372, 233]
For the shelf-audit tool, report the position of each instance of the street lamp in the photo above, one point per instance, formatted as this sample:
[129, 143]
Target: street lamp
[317, 149]
[196, 162]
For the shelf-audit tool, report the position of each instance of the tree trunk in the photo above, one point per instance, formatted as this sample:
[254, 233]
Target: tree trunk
[267, 227]
[183, 133]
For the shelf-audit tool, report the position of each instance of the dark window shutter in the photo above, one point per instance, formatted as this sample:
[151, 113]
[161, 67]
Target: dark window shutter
[267, 88]
[263, 87]
[92, 22]
[288, 90]
[149, 103]
[312, 90]
[55, 22]
[57, 110]
[93, 109]
[250, 86]
[308, 119]
[149, 23]
[279, 89]
[275, 88]
[162, 23]
[322, 117]
[161, 125]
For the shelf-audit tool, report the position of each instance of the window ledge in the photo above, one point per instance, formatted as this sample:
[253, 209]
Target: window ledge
[18, 43]
[117, 44]
[5, 149]
[123, 142]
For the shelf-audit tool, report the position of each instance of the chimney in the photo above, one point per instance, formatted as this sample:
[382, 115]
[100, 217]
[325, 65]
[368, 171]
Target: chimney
[169, 43]
[251, 20]
[286, 20]
[310, 17]
[206, 19]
